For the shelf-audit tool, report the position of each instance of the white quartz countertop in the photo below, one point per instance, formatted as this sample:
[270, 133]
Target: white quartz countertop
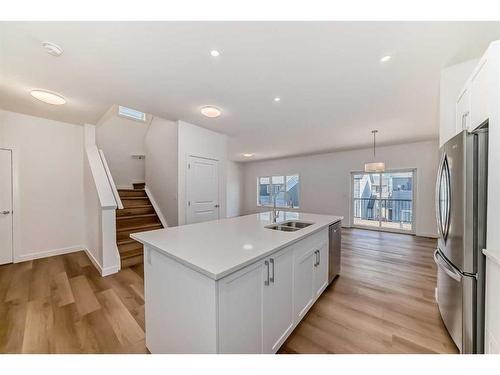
[220, 247]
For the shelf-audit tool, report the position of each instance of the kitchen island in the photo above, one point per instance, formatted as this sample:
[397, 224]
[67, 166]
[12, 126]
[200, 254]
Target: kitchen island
[237, 285]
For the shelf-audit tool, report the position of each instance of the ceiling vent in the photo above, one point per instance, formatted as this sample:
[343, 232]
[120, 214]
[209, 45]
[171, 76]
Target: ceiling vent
[131, 113]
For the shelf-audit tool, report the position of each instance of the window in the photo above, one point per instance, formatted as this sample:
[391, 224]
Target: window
[284, 188]
[384, 200]
[131, 113]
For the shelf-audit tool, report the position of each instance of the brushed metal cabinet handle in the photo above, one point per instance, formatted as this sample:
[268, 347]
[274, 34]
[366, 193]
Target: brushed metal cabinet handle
[272, 277]
[5, 212]
[266, 282]
[319, 257]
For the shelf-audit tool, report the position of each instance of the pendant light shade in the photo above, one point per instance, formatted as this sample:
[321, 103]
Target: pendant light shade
[375, 166]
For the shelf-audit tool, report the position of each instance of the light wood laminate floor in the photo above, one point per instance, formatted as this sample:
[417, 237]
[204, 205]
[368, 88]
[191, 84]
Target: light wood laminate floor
[383, 302]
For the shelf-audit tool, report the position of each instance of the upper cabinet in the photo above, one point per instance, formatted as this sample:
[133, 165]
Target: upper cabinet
[462, 112]
[453, 79]
[479, 94]
[472, 104]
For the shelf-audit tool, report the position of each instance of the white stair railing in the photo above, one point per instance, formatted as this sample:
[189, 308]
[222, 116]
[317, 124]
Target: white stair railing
[111, 181]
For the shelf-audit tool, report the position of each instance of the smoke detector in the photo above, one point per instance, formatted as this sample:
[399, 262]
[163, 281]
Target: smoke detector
[52, 49]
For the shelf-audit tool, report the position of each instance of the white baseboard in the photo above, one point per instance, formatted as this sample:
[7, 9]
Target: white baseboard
[48, 253]
[103, 271]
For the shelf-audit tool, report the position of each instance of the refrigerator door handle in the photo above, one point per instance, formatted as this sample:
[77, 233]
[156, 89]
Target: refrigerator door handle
[443, 264]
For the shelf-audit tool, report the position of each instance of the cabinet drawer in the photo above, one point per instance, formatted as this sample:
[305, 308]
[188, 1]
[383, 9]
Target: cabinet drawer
[315, 241]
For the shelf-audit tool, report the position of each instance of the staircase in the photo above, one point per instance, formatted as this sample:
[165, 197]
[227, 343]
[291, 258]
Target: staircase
[137, 215]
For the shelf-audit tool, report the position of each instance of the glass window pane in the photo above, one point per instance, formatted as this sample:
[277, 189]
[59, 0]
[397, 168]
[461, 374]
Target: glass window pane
[365, 193]
[397, 200]
[292, 189]
[264, 191]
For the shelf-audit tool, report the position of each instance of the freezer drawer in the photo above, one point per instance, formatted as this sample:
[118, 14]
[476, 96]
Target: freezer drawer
[455, 300]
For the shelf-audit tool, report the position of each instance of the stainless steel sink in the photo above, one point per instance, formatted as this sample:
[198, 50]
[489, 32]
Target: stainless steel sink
[289, 226]
[296, 224]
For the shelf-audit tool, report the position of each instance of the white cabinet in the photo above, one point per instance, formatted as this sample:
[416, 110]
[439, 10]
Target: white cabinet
[241, 298]
[472, 107]
[321, 270]
[278, 301]
[479, 95]
[310, 274]
[462, 114]
[304, 281]
[256, 306]
[260, 305]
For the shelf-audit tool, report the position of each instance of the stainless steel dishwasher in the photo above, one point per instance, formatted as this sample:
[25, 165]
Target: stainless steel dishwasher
[334, 246]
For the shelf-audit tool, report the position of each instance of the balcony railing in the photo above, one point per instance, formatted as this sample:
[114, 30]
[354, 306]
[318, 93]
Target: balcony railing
[383, 209]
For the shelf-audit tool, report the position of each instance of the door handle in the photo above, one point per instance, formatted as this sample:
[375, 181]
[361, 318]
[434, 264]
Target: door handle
[272, 275]
[446, 267]
[216, 206]
[315, 258]
[266, 282]
[319, 257]
[5, 212]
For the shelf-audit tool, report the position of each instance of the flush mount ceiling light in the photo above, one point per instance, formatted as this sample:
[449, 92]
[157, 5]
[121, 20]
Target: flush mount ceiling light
[214, 53]
[48, 97]
[385, 58]
[248, 155]
[277, 99]
[210, 111]
[52, 49]
[375, 166]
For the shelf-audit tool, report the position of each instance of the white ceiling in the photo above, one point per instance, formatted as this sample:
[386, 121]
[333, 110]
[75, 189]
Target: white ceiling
[333, 88]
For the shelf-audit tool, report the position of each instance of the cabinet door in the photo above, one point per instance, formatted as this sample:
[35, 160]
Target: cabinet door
[278, 300]
[479, 95]
[321, 270]
[303, 282]
[463, 111]
[241, 298]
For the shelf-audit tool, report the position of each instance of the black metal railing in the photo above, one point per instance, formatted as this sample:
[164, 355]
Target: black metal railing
[384, 209]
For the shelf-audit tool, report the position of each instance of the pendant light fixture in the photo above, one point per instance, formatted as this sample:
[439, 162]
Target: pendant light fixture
[374, 166]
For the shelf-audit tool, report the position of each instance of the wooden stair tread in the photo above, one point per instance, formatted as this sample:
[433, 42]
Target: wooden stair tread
[138, 206]
[131, 253]
[133, 198]
[125, 242]
[144, 226]
[134, 216]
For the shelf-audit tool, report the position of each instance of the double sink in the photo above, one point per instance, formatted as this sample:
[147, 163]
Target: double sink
[289, 226]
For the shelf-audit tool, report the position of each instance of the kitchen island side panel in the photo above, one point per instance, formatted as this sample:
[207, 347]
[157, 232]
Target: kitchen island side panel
[181, 307]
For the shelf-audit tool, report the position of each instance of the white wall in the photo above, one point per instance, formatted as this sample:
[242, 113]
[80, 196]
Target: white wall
[235, 189]
[48, 170]
[196, 141]
[161, 166]
[325, 179]
[119, 138]
[452, 82]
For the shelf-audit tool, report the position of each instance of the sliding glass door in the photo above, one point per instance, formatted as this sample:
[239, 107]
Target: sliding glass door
[384, 201]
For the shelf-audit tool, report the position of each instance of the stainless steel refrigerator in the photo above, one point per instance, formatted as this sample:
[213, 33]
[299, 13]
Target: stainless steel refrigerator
[461, 195]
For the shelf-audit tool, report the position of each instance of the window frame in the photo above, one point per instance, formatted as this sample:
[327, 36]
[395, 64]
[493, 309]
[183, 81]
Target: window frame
[271, 189]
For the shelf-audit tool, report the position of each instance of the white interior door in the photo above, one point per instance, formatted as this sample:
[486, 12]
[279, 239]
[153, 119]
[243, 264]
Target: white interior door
[5, 206]
[202, 190]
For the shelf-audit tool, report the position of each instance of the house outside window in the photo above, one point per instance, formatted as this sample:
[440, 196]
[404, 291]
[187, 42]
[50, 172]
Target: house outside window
[285, 188]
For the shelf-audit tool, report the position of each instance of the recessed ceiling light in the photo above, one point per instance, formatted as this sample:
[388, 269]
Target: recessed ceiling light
[277, 99]
[214, 53]
[386, 58]
[52, 49]
[248, 155]
[48, 97]
[210, 111]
